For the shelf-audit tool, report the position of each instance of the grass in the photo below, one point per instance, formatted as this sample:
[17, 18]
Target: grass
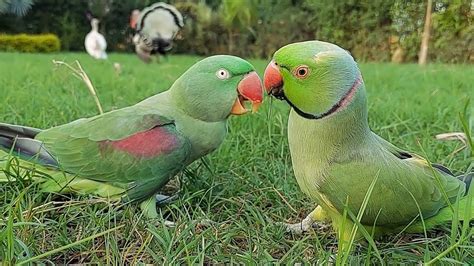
[227, 207]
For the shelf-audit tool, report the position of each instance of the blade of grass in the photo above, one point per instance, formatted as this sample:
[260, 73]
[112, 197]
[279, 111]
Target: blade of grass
[51, 252]
[358, 226]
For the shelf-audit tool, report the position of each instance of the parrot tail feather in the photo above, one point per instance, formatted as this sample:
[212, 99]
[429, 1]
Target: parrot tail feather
[12, 131]
[24, 157]
[467, 179]
[20, 141]
[464, 209]
[53, 179]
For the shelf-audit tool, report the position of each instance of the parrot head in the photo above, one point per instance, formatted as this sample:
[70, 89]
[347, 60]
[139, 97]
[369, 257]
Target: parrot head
[218, 86]
[317, 79]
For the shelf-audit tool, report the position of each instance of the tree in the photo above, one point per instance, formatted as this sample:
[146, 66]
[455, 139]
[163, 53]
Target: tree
[16, 7]
[362, 27]
[237, 15]
[426, 35]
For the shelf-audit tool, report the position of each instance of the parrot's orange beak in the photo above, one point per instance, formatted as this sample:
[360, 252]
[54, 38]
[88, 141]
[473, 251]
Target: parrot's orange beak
[249, 89]
[273, 80]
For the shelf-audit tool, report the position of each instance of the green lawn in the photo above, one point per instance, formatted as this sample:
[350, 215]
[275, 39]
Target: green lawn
[225, 212]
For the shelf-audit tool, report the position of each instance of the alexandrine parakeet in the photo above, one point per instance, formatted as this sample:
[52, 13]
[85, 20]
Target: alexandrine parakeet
[336, 157]
[130, 153]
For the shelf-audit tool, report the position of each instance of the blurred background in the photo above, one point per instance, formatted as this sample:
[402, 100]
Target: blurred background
[383, 31]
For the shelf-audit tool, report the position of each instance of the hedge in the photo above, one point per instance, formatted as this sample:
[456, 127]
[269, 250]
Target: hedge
[41, 43]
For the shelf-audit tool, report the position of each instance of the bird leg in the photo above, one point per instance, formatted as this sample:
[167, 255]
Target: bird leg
[298, 228]
[301, 227]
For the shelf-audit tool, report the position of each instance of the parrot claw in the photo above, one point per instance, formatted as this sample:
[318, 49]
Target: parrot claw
[163, 199]
[164, 223]
[169, 223]
[299, 228]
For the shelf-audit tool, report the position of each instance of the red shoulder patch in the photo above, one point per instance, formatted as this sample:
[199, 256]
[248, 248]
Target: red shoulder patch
[151, 143]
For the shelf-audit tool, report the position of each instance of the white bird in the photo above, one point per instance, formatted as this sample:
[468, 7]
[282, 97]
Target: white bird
[156, 26]
[95, 42]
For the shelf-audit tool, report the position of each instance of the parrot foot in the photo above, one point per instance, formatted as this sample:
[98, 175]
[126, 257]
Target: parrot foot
[163, 199]
[167, 223]
[299, 228]
[163, 223]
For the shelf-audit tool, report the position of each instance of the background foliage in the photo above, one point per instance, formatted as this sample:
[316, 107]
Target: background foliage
[42, 43]
[16, 7]
[371, 30]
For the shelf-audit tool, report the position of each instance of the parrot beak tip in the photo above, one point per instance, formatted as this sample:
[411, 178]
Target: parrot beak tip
[273, 80]
[249, 89]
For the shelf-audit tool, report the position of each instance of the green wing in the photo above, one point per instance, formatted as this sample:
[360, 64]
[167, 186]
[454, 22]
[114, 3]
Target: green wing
[406, 185]
[107, 148]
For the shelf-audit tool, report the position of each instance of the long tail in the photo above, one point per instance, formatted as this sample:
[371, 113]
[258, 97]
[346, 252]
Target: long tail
[21, 155]
[53, 179]
[464, 210]
[21, 141]
[20, 131]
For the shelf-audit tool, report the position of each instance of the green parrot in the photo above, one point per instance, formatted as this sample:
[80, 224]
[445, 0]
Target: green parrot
[336, 157]
[130, 153]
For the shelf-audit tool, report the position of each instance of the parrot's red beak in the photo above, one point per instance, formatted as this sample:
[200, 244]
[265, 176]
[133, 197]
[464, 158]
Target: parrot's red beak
[249, 89]
[273, 80]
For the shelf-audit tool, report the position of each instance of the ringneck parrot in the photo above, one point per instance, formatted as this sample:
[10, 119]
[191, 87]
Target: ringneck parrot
[130, 153]
[336, 157]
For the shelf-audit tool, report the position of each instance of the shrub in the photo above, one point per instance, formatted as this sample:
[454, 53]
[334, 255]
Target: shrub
[42, 43]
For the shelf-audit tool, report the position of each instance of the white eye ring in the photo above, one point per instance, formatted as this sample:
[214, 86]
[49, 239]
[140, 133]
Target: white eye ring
[222, 74]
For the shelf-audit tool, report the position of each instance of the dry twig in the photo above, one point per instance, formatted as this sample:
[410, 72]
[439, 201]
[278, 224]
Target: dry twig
[82, 75]
[453, 136]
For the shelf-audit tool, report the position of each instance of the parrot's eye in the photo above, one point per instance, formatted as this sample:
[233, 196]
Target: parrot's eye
[222, 74]
[301, 71]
